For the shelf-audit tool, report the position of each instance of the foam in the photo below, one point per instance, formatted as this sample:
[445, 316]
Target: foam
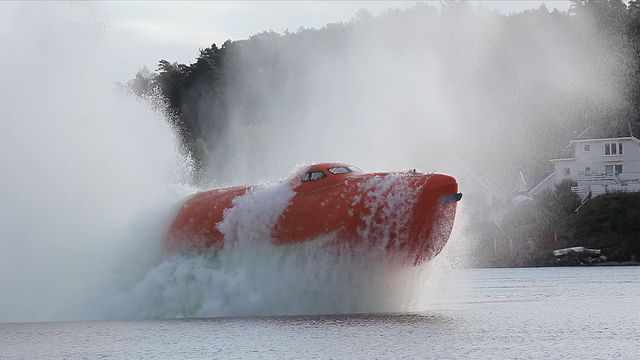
[253, 276]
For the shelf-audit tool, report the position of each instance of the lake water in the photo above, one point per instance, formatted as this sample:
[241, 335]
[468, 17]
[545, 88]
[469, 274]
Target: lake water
[577, 312]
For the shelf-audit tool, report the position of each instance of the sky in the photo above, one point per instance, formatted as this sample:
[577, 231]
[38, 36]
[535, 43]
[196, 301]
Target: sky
[142, 33]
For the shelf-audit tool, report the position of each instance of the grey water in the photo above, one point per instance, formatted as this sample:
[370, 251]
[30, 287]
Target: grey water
[518, 313]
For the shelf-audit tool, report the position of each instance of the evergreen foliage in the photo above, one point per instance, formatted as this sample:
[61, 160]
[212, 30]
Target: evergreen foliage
[262, 68]
[610, 222]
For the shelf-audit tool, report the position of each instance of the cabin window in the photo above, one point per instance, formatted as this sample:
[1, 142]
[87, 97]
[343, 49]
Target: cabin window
[312, 176]
[613, 148]
[339, 170]
[587, 147]
[567, 171]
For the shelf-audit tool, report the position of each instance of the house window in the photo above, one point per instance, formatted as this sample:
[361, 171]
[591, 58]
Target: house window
[587, 170]
[587, 147]
[613, 169]
[608, 169]
[613, 148]
[567, 171]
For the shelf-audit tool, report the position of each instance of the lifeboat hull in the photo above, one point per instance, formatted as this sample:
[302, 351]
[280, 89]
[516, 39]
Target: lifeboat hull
[409, 214]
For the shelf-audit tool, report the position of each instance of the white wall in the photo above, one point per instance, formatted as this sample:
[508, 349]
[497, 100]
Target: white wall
[559, 166]
[596, 160]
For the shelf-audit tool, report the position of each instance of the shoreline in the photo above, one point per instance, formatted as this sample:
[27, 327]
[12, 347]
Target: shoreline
[602, 264]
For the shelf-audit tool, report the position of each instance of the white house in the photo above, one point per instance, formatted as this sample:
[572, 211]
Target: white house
[598, 166]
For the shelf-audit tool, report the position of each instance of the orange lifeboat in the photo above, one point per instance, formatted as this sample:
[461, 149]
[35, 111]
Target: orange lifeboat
[408, 213]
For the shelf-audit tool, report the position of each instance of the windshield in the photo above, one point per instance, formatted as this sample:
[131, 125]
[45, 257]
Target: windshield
[339, 170]
[344, 170]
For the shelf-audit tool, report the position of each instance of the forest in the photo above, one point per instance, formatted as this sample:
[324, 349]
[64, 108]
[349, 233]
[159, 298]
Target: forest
[203, 97]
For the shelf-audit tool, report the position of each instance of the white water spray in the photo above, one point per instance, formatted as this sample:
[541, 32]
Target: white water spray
[88, 181]
[252, 276]
[86, 172]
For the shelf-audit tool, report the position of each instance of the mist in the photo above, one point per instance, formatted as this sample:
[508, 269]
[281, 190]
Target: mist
[92, 175]
[416, 89]
[91, 179]
[428, 88]
[86, 171]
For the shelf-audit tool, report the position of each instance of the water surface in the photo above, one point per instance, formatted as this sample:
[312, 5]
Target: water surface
[580, 312]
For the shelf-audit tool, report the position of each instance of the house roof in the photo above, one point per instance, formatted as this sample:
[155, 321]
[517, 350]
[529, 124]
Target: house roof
[632, 138]
[521, 184]
[547, 181]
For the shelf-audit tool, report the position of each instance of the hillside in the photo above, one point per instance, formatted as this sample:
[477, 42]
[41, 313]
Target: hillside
[454, 77]
[610, 222]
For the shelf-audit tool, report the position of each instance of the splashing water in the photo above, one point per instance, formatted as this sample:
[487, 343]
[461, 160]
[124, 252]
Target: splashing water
[391, 198]
[251, 276]
[254, 214]
[91, 180]
[87, 172]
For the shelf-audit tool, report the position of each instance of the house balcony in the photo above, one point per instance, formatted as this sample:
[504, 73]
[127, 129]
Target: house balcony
[587, 177]
[618, 157]
[590, 178]
[597, 184]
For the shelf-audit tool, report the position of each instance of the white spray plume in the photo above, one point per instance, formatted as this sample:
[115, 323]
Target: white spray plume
[84, 169]
[414, 89]
[86, 174]
[87, 195]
